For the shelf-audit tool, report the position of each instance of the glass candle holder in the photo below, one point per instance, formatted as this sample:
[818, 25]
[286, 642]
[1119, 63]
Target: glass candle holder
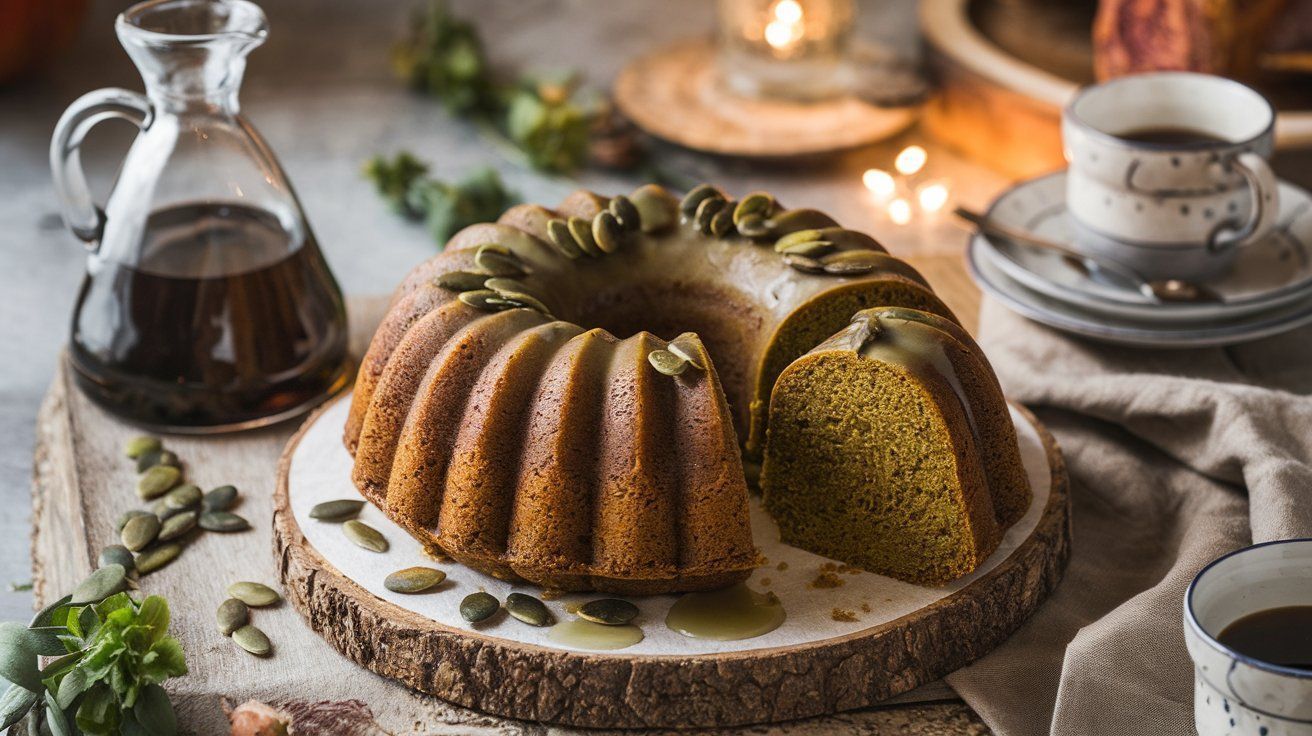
[785, 49]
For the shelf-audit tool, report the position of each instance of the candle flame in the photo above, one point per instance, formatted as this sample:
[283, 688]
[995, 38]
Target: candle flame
[899, 211]
[879, 182]
[933, 197]
[786, 27]
[910, 160]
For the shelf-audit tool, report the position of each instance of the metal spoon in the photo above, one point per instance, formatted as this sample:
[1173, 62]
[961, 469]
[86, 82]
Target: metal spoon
[1161, 290]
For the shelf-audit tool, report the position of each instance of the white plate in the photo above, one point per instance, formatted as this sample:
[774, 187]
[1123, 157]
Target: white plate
[1072, 318]
[1273, 272]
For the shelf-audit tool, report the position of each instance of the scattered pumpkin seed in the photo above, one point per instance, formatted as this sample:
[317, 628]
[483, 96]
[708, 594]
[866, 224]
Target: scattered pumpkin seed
[184, 496]
[687, 346]
[413, 579]
[157, 481]
[722, 223]
[607, 232]
[694, 198]
[255, 595]
[657, 208]
[753, 226]
[528, 609]
[581, 230]
[804, 264]
[484, 299]
[221, 498]
[608, 611]
[365, 536]
[667, 363]
[162, 510]
[157, 557]
[559, 235]
[100, 584]
[116, 554]
[252, 640]
[339, 510]
[157, 457]
[479, 607]
[127, 516]
[706, 211]
[138, 446]
[461, 280]
[176, 526]
[810, 248]
[626, 214]
[140, 531]
[498, 260]
[223, 521]
[232, 615]
[757, 204]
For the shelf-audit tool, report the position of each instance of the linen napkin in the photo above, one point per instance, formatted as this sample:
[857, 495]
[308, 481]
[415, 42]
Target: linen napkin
[1175, 457]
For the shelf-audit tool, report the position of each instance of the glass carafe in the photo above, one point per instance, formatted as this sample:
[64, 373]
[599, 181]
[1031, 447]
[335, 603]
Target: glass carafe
[207, 305]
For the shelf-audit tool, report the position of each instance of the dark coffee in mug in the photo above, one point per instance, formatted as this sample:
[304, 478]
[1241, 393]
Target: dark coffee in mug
[1170, 136]
[1280, 636]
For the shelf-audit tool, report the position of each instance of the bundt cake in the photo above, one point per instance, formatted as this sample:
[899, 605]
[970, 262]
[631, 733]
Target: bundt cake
[500, 420]
[891, 448]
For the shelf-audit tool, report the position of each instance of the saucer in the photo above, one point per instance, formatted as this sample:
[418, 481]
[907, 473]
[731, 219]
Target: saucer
[1271, 273]
[1069, 317]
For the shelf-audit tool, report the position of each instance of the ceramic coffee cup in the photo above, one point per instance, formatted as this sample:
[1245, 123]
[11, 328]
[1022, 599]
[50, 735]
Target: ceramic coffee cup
[1235, 693]
[1170, 206]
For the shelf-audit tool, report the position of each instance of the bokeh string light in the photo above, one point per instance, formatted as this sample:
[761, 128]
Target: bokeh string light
[907, 193]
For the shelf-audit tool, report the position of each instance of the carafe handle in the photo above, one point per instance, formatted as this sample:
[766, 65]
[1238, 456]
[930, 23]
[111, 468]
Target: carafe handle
[83, 216]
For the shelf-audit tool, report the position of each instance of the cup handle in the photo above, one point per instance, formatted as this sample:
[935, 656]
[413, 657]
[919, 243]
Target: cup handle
[83, 216]
[1265, 188]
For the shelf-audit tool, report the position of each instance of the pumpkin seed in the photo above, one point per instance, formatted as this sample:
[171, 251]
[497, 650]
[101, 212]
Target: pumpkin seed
[753, 226]
[100, 584]
[694, 198]
[223, 521]
[162, 510]
[795, 238]
[756, 203]
[138, 446]
[232, 615]
[607, 232]
[722, 223]
[790, 221]
[503, 286]
[157, 557]
[255, 595]
[484, 299]
[479, 607]
[253, 640]
[844, 238]
[413, 579]
[527, 300]
[176, 526]
[528, 609]
[365, 536]
[339, 510]
[810, 248]
[581, 230]
[183, 497]
[158, 457]
[461, 280]
[667, 363]
[498, 260]
[626, 214]
[219, 499]
[608, 611]
[140, 531]
[689, 347]
[804, 264]
[127, 516]
[706, 211]
[157, 481]
[852, 262]
[116, 554]
[559, 235]
[656, 207]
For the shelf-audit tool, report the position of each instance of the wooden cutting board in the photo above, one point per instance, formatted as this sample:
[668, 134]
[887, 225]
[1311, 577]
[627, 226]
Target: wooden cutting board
[81, 483]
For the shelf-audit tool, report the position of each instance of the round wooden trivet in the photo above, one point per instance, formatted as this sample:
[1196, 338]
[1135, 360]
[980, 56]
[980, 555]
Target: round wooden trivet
[525, 681]
[676, 94]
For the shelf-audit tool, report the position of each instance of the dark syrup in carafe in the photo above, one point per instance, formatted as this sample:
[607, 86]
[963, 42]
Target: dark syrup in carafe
[225, 320]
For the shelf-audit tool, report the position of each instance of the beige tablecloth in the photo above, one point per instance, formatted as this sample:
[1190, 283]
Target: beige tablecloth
[1175, 457]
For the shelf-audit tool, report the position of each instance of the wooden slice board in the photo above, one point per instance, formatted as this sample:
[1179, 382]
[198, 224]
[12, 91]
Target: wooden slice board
[812, 665]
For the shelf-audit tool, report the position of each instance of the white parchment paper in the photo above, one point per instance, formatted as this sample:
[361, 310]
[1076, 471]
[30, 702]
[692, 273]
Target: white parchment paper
[321, 471]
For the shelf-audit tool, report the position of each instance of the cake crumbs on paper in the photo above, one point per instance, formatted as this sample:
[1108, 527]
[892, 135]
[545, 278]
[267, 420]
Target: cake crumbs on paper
[551, 595]
[781, 566]
[865, 608]
[827, 579]
[842, 614]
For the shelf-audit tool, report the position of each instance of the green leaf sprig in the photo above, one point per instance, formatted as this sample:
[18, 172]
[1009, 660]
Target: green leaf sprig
[443, 57]
[444, 207]
[105, 659]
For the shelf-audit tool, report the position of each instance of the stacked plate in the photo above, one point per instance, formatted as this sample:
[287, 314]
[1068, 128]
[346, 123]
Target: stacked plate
[1269, 291]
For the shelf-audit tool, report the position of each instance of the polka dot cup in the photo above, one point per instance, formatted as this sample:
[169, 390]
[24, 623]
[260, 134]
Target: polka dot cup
[1170, 208]
[1233, 693]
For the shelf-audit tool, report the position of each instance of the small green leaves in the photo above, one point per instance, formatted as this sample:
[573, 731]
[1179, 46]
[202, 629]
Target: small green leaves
[445, 207]
[19, 649]
[15, 704]
[99, 585]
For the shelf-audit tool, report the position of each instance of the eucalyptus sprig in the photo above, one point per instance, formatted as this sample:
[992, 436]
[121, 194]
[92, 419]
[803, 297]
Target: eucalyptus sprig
[547, 121]
[92, 663]
[443, 57]
[444, 207]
